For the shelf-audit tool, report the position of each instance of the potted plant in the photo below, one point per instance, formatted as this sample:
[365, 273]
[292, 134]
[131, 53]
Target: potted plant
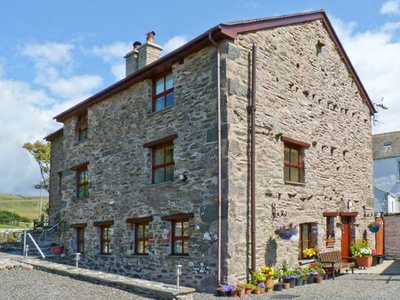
[56, 249]
[262, 286]
[300, 275]
[362, 253]
[258, 277]
[230, 290]
[248, 287]
[311, 272]
[290, 278]
[285, 232]
[374, 227]
[256, 290]
[269, 273]
[309, 253]
[330, 241]
[269, 289]
[241, 288]
[278, 286]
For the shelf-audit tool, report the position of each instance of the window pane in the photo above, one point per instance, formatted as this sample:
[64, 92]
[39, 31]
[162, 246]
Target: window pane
[178, 247]
[295, 174]
[81, 192]
[169, 82]
[185, 228]
[294, 156]
[159, 175]
[287, 155]
[170, 100]
[159, 157]
[186, 247]
[146, 231]
[159, 86]
[169, 154]
[146, 247]
[169, 176]
[178, 229]
[159, 105]
[140, 231]
[287, 176]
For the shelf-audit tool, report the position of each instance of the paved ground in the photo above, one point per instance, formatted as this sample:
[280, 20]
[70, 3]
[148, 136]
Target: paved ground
[39, 285]
[381, 282]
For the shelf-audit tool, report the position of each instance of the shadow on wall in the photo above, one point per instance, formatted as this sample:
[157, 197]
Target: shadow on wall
[271, 253]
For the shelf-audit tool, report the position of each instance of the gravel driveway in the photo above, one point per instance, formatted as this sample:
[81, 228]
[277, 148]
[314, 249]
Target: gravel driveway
[39, 285]
[349, 287]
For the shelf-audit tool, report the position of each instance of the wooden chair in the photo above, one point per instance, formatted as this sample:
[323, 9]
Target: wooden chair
[332, 262]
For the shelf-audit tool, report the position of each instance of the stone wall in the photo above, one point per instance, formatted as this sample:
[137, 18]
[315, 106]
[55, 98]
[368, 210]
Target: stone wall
[392, 237]
[120, 176]
[57, 165]
[307, 95]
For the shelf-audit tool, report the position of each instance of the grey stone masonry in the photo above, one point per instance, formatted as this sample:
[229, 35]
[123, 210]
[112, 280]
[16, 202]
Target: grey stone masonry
[305, 92]
[131, 62]
[392, 237]
[303, 95]
[148, 52]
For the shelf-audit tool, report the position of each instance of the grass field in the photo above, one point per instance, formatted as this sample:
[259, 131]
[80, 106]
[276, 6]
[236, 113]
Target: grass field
[23, 205]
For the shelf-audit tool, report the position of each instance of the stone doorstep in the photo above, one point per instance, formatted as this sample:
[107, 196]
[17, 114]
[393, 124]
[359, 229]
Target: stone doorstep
[144, 287]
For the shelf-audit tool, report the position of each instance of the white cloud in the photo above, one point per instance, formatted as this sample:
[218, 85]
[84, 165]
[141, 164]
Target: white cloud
[49, 52]
[174, 43]
[375, 54]
[112, 54]
[21, 121]
[74, 86]
[391, 7]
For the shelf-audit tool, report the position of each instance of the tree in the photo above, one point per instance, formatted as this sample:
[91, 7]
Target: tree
[41, 153]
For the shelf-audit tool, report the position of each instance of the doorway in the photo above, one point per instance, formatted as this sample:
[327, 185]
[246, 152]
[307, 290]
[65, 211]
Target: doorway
[379, 237]
[347, 237]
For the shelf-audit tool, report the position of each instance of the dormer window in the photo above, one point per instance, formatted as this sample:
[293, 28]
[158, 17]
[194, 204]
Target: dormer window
[82, 127]
[163, 92]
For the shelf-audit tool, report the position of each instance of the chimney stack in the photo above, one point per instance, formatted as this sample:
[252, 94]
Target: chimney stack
[142, 55]
[149, 51]
[131, 59]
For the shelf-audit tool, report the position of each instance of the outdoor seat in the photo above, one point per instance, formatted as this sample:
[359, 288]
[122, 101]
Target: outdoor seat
[333, 262]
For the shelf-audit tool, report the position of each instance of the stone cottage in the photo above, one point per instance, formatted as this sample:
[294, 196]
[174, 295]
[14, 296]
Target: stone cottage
[195, 157]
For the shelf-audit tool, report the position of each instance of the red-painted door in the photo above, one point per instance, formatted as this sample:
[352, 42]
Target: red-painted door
[379, 236]
[346, 237]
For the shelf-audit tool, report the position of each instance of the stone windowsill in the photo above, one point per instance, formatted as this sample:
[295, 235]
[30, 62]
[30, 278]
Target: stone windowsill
[159, 185]
[158, 111]
[139, 255]
[295, 183]
[306, 261]
[178, 256]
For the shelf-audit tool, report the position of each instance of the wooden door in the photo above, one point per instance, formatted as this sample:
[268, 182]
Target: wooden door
[379, 237]
[346, 237]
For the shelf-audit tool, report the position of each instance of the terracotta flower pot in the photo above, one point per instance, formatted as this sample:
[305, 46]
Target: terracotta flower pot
[365, 261]
[286, 285]
[257, 292]
[269, 290]
[318, 279]
[248, 291]
[57, 250]
[234, 294]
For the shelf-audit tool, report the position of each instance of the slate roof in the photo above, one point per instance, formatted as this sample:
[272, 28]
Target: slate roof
[386, 145]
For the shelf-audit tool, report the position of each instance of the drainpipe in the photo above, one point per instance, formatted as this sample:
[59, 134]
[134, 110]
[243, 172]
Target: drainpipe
[219, 255]
[253, 158]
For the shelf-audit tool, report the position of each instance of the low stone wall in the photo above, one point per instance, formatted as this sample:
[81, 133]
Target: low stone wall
[392, 237]
[10, 239]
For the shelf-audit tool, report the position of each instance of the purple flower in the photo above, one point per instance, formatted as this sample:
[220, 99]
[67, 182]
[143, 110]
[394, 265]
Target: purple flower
[313, 273]
[261, 285]
[228, 288]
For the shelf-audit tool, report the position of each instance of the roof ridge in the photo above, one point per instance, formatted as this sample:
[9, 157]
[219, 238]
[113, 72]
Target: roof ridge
[273, 18]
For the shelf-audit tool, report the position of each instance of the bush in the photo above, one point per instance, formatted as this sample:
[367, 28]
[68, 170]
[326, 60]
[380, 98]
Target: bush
[7, 217]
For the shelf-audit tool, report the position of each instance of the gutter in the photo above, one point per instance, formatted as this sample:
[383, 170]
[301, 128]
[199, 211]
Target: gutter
[219, 255]
[253, 157]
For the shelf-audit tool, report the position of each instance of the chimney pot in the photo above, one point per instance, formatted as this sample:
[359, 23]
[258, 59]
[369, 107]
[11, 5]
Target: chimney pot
[150, 36]
[136, 45]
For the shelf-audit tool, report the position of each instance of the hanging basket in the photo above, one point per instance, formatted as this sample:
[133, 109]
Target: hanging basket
[285, 232]
[374, 227]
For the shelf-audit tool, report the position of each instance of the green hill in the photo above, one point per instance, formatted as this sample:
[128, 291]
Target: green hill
[26, 206]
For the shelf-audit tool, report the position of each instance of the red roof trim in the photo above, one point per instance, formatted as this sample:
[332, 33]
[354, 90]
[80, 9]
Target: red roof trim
[54, 134]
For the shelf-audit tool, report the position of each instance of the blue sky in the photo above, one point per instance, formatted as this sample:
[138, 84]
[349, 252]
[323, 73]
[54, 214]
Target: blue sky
[54, 54]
